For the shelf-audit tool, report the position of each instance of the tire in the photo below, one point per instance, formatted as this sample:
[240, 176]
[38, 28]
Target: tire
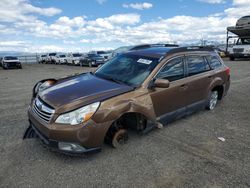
[4, 67]
[213, 100]
[120, 138]
[232, 58]
[116, 136]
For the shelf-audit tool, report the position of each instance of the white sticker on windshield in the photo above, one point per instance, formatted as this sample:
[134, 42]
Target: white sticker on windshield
[145, 61]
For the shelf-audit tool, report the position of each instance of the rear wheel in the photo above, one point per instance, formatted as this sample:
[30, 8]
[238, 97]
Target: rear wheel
[213, 100]
[232, 58]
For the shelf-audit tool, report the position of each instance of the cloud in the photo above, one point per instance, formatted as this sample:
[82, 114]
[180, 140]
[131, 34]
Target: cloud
[241, 2]
[22, 10]
[213, 1]
[101, 1]
[138, 6]
[82, 33]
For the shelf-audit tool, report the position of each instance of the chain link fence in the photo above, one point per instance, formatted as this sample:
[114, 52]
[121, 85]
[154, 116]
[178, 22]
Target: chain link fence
[29, 59]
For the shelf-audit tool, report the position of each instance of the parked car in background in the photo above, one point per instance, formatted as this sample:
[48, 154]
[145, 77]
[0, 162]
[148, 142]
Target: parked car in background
[42, 58]
[138, 90]
[50, 58]
[220, 52]
[60, 59]
[11, 62]
[73, 58]
[105, 54]
[1, 61]
[92, 60]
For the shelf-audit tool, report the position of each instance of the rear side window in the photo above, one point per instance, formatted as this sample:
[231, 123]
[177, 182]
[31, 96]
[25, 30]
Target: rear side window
[214, 62]
[173, 70]
[196, 65]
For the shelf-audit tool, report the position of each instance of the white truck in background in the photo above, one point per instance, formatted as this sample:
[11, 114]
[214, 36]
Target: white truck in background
[241, 47]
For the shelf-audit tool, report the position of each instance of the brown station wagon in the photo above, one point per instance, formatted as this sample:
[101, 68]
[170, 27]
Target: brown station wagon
[138, 90]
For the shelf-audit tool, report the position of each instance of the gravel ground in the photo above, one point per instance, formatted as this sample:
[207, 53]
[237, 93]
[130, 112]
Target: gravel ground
[186, 153]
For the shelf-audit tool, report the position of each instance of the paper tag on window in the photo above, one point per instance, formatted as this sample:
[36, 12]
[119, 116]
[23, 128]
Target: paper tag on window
[145, 61]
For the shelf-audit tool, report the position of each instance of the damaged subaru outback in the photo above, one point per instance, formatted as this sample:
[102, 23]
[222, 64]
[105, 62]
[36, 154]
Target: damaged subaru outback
[138, 90]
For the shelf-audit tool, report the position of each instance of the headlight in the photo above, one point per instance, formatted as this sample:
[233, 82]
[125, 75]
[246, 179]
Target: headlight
[40, 86]
[78, 116]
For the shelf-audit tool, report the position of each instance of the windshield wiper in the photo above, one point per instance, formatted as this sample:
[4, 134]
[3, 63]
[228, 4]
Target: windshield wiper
[110, 79]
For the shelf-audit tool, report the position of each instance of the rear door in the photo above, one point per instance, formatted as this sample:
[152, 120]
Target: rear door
[170, 102]
[199, 77]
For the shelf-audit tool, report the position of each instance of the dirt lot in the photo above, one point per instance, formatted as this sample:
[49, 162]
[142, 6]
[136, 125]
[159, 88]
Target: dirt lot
[186, 153]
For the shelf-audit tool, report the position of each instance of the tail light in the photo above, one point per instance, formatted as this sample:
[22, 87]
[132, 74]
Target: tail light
[228, 71]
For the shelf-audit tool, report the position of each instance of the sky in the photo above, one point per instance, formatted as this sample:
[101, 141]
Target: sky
[84, 25]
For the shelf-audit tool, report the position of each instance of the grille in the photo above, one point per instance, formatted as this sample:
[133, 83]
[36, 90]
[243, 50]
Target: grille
[238, 50]
[42, 110]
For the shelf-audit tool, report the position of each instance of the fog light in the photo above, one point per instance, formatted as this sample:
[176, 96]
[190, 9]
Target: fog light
[70, 147]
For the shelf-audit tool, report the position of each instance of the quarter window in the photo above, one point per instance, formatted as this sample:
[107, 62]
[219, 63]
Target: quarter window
[196, 65]
[214, 62]
[173, 70]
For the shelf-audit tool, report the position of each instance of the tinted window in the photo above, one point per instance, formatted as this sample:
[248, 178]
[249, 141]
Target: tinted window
[173, 70]
[214, 62]
[196, 65]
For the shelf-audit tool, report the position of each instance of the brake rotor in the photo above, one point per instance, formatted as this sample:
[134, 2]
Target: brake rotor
[120, 138]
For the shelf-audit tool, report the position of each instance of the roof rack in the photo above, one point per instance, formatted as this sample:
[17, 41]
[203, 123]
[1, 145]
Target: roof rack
[190, 49]
[144, 46]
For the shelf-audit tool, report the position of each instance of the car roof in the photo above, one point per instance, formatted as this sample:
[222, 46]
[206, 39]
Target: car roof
[159, 52]
[154, 52]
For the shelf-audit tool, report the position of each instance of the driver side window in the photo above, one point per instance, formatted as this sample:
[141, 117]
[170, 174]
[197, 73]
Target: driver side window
[173, 70]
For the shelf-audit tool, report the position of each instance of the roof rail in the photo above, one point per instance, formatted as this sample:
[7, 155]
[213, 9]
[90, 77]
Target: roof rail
[190, 49]
[144, 46]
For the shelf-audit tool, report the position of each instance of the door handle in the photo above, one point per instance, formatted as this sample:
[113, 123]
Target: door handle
[184, 86]
[210, 77]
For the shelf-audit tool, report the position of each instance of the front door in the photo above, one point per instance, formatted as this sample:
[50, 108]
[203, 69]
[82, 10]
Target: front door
[170, 102]
[199, 78]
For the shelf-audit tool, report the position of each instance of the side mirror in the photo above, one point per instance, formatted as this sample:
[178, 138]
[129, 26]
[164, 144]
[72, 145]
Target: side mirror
[161, 83]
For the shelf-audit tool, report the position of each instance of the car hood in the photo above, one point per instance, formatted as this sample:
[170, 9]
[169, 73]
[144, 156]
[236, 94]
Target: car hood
[81, 90]
[9, 61]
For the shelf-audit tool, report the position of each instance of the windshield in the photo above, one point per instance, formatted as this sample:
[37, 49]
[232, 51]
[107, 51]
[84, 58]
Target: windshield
[10, 58]
[101, 52]
[76, 55]
[43, 55]
[128, 69]
[62, 56]
[52, 54]
[94, 55]
[243, 41]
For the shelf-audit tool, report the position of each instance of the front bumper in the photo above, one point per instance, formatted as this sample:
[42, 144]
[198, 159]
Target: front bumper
[240, 55]
[69, 139]
[64, 147]
[12, 65]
